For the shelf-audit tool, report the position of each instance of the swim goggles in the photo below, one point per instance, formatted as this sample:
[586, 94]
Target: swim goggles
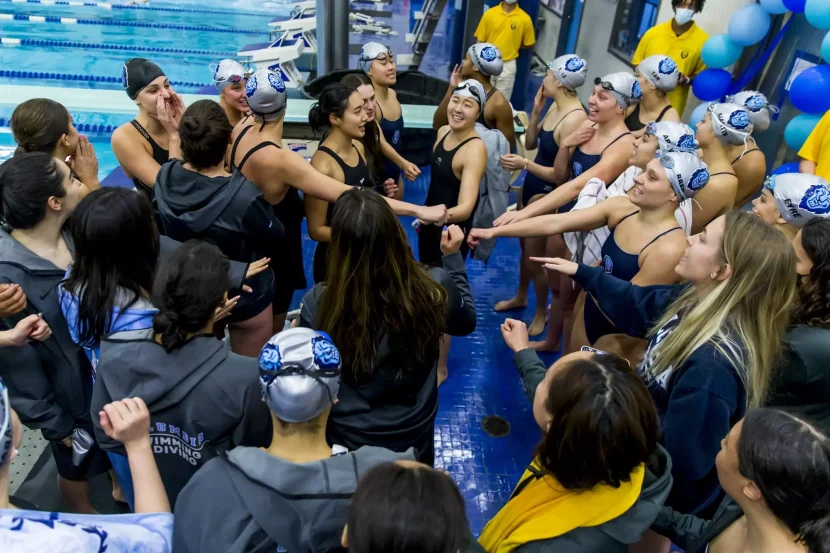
[474, 92]
[606, 85]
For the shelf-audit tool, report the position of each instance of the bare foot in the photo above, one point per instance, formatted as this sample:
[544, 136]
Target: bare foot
[442, 375]
[513, 303]
[537, 326]
[545, 346]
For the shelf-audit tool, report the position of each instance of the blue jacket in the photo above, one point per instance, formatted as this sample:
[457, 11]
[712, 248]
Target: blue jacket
[698, 401]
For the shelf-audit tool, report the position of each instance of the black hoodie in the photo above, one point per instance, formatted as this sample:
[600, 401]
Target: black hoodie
[203, 400]
[229, 212]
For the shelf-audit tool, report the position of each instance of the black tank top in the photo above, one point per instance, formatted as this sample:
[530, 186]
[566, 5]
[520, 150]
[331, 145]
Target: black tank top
[633, 121]
[160, 155]
[444, 186]
[481, 114]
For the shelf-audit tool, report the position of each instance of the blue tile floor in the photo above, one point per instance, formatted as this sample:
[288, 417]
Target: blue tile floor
[482, 381]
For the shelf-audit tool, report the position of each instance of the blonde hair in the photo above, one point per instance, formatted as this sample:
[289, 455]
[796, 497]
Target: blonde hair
[744, 316]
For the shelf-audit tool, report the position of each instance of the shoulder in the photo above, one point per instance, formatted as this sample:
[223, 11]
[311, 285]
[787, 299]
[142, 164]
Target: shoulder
[125, 134]
[699, 34]
[442, 132]
[359, 147]
[393, 95]
[312, 298]
[207, 481]
[708, 369]
[668, 249]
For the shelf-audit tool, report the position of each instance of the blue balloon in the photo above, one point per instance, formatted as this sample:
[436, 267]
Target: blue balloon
[749, 25]
[808, 92]
[825, 47]
[795, 6]
[791, 167]
[818, 13]
[712, 84]
[720, 52]
[799, 128]
[698, 114]
[774, 6]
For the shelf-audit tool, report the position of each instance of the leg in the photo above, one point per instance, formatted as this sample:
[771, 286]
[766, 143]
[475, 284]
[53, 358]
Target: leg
[579, 337]
[535, 247]
[519, 301]
[278, 322]
[555, 247]
[630, 349]
[117, 491]
[76, 495]
[443, 357]
[249, 336]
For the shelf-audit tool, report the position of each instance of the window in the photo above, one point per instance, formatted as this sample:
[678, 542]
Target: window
[633, 19]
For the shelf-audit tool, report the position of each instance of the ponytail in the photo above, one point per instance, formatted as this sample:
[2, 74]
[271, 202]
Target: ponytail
[815, 534]
[333, 101]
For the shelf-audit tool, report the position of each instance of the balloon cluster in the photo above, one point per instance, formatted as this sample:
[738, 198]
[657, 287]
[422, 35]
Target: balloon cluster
[748, 26]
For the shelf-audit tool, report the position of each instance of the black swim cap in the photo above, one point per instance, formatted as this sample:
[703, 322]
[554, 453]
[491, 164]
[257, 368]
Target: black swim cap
[137, 73]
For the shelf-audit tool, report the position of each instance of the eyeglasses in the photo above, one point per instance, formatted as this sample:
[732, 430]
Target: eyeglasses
[606, 354]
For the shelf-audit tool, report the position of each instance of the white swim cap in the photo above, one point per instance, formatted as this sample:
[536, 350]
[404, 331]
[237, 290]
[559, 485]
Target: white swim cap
[471, 88]
[673, 136]
[6, 440]
[624, 87]
[299, 371]
[369, 53]
[800, 197]
[486, 58]
[731, 123]
[756, 105]
[661, 71]
[687, 173]
[266, 94]
[228, 72]
[570, 70]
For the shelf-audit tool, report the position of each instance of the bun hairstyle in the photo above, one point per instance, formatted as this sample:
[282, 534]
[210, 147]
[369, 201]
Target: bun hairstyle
[27, 181]
[38, 125]
[205, 132]
[333, 101]
[788, 458]
[190, 284]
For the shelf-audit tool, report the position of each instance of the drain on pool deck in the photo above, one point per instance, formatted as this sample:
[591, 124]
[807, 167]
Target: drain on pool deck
[495, 426]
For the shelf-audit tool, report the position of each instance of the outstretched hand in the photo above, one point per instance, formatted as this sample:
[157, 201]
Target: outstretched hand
[390, 188]
[509, 217]
[434, 214]
[12, 299]
[557, 264]
[512, 162]
[411, 171]
[515, 335]
[451, 239]
[478, 234]
[255, 268]
[32, 327]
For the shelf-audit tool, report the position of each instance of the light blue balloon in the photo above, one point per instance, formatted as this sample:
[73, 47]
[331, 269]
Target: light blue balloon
[791, 167]
[720, 52]
[698, 114]
[825, 47]
[749, 25]
[774, 6]
[818, 13]
[799, 129]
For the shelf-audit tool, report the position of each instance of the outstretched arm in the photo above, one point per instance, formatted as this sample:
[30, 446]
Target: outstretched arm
[590, 218]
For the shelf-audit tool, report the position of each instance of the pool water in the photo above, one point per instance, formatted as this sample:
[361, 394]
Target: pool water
[106, 159]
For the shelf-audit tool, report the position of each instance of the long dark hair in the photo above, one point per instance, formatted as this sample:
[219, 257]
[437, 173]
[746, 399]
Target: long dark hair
[189, 285]
[603, 423]
[205, 132]
[27, 181]
[334, 100]
[376, 289]
[116, 248]
[814, 293]
[406, 509]
[371, 140]
[38, 124]
[788, 458]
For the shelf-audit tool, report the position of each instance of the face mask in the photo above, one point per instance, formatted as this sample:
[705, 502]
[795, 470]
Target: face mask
[683, 15]
[510, 1]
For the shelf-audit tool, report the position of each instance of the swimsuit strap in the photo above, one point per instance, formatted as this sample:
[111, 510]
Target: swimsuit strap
[627, 216]
[662, 113]
[343, 165]
[723, 173]
[143, 131]
[460, 145]
[740, 157]
[563, 118]
[612, 142]
[656, 238]
[236, 144]
[254, 150]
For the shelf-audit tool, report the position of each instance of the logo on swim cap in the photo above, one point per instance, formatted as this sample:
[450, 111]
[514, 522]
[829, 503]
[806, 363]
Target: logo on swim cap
[396, 136]
[686, 141]
[325, 354]
[250, 87]
[270, 360]
[667, 66]
[699, 179]
[574, 64]
[125, 77]
[739, 120]
[276, 82]
[489, 54]
[636, 91]
[609, 264]
[755, 103]
[577, 168]
[816, 200]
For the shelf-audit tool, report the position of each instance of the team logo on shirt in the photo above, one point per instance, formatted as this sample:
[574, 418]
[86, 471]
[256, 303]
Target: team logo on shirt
[396, 136]
[739, 120]
[577, 168]
[609, 264]
[816, 200]
[512, 26]
[250, 86]
[574, 64]
[755, 103]
[325, 354]
[699, 179]
[489, 53]
[667, 66]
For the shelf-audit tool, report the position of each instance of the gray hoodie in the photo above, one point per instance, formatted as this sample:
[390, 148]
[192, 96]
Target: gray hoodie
[249, 500]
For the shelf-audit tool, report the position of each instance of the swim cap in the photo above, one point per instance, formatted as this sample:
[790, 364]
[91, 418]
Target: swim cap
[757, 105]
[228, 72]
[673, 136]
[800, 197]
[687, 173]
[369, 53]
[570, 70]
[731, 123]
[661, 71]
[6, 441]
[471, 88]
[266, 94]
[624, 87]
[486, 58]
[137, 73]
[299, 370]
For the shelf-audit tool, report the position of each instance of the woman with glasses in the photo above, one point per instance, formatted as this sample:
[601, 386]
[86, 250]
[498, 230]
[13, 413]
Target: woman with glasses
[229, 78]
[657, 75]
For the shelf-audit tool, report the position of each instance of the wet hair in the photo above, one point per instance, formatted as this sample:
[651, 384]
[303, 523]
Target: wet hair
[38, 125]
[189, 286]
[814, 293]
[116, 248]
[604, 423]
[376, 290]
[371, 140]
[205, 132]
[788, 458]
[698, 7]
[406, 509]
[334, 100]
[27, 181]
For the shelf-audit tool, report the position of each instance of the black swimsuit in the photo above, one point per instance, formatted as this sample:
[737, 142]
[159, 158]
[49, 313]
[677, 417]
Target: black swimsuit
[633, 121]
[160, 155]
[481, 115]
[359, 176]
[288, 267]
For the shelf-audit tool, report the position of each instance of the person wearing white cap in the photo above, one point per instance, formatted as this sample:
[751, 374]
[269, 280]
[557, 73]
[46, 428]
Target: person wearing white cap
[228, 505]
[657, 76]
[644, 222]
[482, 62]
[733, 125]
[279, 174]
[229, 78]
[756, 105]
[565, 74]
[789, 200]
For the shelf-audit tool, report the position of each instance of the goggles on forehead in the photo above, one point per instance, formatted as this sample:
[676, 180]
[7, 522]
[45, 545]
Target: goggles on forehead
[606, 85]
[472, 90]
[606, 354]
[651, 128]
[383, 56]
[231, 79]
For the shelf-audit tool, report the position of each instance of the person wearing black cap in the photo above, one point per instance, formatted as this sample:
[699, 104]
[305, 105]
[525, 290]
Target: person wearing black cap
[144, 144]
[292, 495]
